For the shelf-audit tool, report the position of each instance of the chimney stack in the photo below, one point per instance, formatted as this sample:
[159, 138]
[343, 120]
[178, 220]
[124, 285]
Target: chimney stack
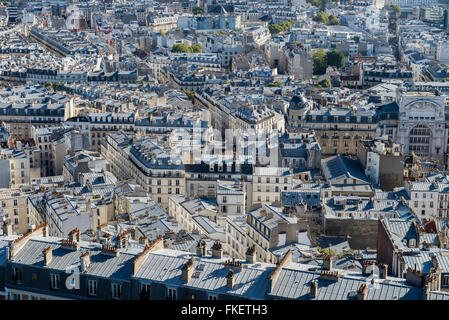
[187, 270]
[314, 289]
[327, 262]
[107, 239]
[201, 248]
[230, 280]
[383, 271]
[48, 255]
[368, 267]
[69, 244]
[434, 261]
[329, 275]
[251, 254]
[414, 277]
[144, 240]
[75, 235]
[122, 239]
[217, 250]
[7, 228]
[362, 292]
[109, 251]
[85, 261]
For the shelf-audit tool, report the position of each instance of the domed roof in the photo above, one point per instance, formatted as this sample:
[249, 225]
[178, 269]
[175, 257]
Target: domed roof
[298, 101]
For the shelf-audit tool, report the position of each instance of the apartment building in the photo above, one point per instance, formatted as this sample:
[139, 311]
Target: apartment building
[35, 269]
[14, 203]
[231, 198]
[186, 212]
[201, 178]
[300, 150]
[236, 230]
[226, 47]
[269, 182]
[268, 228]
[149, 164]
[77, 163]
[408, 245]
[338, 129]
[19, 119]
[382, 160]
[98, 125]
[428, 199]
[15, 167]
[51, 148]
[162, 24]
[240, 112]
[63, 213]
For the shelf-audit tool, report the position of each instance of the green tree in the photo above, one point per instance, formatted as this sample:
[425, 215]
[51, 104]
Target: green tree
[319, 62]
[275, 84]
[275, 28]
[287, 25]
[190, 95]
[197, 48]
[325, 83]
[198, 10]
[335, 58]
[322, 17]
[327, 251]
[181, 47]
[333, 20]
[57, 85]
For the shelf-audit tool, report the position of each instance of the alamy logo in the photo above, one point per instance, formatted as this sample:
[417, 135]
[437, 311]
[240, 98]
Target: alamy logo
[73, 16]
[73, 280]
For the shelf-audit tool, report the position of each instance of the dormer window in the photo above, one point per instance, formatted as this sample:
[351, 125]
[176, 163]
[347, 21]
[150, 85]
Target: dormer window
[116, 291]
[17, 275]
[54, 281]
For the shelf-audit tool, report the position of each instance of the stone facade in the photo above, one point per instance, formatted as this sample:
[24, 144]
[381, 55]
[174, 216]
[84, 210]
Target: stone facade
[421, 125]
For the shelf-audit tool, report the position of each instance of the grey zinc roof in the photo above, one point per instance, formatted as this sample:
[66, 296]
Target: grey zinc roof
[293, 198]
[438, 295]
[119, 267]
[402, 228]
[249, 282]
[421, 260]
[4, 242]
[270, 216]
[295, 284]
[430, 238]
[208, 225]
[229, 189]
[338, 166]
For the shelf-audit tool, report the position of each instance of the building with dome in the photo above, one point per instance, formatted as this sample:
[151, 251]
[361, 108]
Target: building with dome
[299, 105]
[418, 120]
